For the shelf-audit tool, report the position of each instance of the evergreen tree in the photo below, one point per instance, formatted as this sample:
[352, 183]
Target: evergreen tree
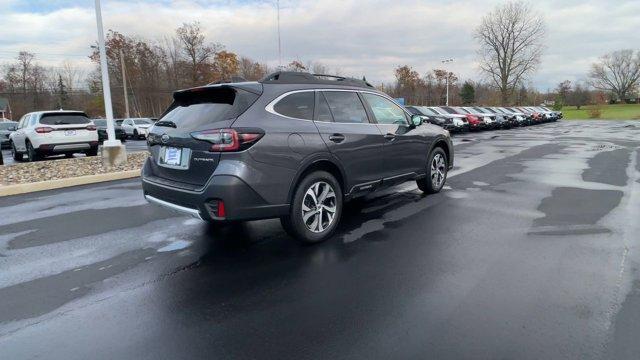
[468, 94]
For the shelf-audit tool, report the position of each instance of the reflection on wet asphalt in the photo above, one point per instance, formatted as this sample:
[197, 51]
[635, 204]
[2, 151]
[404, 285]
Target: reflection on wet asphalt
[530, 252]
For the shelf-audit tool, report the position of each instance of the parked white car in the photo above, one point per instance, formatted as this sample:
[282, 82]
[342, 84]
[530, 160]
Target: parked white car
[137, 128]
[44, 133]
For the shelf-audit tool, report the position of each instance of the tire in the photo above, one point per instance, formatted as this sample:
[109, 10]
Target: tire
[92, 152]
[32, 155]
[315, 224]
[436, 172]
[14, 153]
[135, 134]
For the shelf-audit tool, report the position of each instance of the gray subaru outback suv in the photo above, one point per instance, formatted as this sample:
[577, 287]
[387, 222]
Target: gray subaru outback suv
[294, 146]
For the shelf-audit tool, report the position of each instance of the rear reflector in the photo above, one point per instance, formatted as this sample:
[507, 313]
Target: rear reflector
[216, 209]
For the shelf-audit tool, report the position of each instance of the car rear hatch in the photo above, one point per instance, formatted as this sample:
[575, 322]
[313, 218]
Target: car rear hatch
[179, 157]
[70, 123]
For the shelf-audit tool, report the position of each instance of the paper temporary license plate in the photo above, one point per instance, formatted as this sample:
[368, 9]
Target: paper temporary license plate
[69, 132]
[172, 156]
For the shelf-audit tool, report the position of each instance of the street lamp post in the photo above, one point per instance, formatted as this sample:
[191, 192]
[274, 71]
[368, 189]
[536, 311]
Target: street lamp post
[113, 152]
[446, 61]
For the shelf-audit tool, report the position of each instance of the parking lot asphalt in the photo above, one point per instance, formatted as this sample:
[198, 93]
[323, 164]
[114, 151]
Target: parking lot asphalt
[131, 145]
[530, 252]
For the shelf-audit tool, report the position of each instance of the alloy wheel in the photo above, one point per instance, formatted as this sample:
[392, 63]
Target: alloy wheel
[438, 171]
[319, 207]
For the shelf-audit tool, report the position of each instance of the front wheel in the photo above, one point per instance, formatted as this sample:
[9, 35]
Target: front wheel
[436, 172]
[316, 208]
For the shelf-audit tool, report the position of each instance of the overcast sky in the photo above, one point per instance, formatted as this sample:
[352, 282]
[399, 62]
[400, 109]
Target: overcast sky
[360, 37]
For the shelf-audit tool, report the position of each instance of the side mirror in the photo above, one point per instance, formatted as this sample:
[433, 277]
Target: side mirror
[416, 120]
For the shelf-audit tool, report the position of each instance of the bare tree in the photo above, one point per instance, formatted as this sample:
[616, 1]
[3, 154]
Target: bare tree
[25, 60]
[70, 74]
[617, 72]
[197, 50]
[511, 46]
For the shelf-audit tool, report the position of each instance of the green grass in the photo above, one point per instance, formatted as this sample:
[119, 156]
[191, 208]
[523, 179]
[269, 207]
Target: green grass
[609, 112]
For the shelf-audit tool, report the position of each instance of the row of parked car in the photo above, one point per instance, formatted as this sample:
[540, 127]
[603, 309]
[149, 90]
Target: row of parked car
[472, 118]
[45, 133]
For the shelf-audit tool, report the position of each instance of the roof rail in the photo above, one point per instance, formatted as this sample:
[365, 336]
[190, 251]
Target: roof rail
[294, 77]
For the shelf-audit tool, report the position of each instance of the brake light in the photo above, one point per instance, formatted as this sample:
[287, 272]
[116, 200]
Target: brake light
[92, 128]
[226, 140]
[43, 130]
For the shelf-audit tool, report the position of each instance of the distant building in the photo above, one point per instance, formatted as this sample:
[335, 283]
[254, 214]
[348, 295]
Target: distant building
[5, 109]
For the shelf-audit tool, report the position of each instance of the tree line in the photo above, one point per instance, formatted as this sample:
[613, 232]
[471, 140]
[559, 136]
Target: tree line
[510, 38]
[153, 71]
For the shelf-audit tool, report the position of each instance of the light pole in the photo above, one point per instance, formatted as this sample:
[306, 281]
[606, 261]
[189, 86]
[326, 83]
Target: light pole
[113, 153]
[446, 61]
[279, 38]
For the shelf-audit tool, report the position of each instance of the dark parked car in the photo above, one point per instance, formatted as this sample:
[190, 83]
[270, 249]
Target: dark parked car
[101, 125]
[432, 117]
[293, 146]
[6, 128]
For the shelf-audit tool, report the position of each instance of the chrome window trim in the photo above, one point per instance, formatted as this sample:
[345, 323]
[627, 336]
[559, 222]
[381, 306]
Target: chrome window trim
[270, 106]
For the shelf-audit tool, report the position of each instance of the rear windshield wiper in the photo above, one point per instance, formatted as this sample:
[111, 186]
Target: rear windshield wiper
[167, 123]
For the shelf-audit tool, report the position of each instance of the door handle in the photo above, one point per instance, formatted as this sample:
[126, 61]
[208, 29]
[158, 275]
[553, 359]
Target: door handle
[337, 138]
[389, 136]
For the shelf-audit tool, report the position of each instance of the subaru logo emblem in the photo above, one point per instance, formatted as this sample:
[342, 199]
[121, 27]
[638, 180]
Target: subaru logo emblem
[165, 138]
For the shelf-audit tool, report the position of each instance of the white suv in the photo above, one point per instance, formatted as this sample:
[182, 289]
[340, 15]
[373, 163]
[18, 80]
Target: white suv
[137, 128]
[43, 133]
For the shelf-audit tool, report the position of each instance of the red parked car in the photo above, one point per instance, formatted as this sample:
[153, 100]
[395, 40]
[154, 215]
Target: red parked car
[475, 122]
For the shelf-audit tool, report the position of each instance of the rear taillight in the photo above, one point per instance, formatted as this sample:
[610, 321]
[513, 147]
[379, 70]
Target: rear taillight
[43, 130]
[225, 140]
[92, 128]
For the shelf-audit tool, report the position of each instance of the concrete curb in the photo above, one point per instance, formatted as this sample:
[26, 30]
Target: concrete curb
[7, 190]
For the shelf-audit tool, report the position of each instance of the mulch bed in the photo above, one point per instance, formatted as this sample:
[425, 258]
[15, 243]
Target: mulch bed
[53, 169]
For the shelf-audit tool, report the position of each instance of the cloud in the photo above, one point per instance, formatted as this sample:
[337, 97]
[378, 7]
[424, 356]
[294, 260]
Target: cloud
[360, 38]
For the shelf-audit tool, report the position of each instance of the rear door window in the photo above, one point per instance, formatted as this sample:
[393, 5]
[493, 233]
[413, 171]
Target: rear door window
[346, 107]
[204, 106]
[297, 105]
[63, 119]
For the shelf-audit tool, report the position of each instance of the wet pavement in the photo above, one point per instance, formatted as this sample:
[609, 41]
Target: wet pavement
[530, 252]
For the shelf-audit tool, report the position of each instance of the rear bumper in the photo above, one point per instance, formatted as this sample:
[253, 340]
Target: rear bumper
[174, 207]
[66, 148]
[241, 202]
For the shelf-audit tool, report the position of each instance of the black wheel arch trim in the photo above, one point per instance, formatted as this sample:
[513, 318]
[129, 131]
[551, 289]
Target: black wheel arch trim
[449, 149]
[310, 161]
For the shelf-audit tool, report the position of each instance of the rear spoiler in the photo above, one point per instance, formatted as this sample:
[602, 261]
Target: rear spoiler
[252, 87]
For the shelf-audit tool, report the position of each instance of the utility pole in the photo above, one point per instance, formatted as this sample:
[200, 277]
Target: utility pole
[447, 78]
[113, 152]
[279, 38]
[124, 83]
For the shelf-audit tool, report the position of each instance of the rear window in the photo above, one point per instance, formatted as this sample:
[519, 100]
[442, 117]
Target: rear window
[64, 119]
[297, 105]
[196, 109]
